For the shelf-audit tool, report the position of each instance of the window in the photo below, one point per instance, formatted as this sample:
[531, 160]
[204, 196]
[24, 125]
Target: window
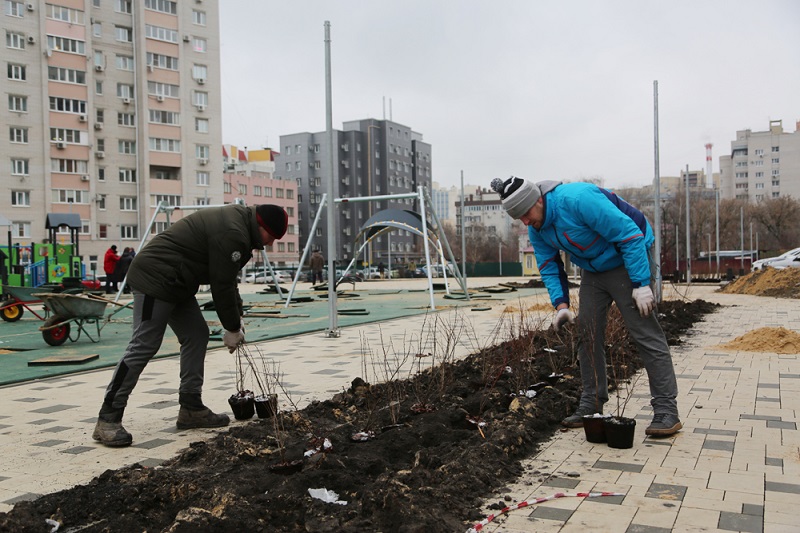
[124, 62]
[226, 187]
[99, 59]
[123, 34]
[19, 167]
[21, 229]
[124, 90]
[168, 199]
[16, 72]
[200, 72]
[776, 160]
[14, 9]
[775, 172]
[776, 149]
[242, 188]
[97, 29]
[202, 178]
[164, 6]
[69, 166]
[66, 135]
[123, 6]
[200, 99]
[162, 61]
[165, 145]
[67, 105]
[127, 203]
[126, 119]
[278, 193]
[199, 44]
[268, 192]
[289, 194]
[202, 151]
[198, 17]
[98, 87]
[21, 198]
[101, 174]
[129, 232]
[160, 34]
[64, 14]
[290, 212]
[70, 196]
[201, 125]
[63, 44]
[67, 75]
[164, 117]
[15, 40]
[126, 146]
[99, 115]
[127, 175]
[18, 135]
[256, 190]
[17, 103]
[163, 89]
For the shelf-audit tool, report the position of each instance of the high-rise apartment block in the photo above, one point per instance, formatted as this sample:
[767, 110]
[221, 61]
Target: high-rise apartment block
[112, 108]
[370, 158]
[762, 164]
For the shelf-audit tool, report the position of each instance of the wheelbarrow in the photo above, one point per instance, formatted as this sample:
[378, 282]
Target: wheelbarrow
[81, 310]
[17, 299]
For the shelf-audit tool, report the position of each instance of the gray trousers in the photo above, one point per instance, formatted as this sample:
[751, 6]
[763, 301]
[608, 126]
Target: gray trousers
[597, 292]
[150, 320]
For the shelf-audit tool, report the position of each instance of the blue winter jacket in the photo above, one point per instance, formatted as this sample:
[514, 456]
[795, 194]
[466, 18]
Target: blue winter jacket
[598, 229]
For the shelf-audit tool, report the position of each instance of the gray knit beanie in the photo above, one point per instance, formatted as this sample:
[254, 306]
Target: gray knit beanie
[517, 194]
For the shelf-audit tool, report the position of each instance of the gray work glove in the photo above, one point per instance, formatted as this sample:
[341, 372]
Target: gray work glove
[644, 299]
[563, 316]
[232, 339]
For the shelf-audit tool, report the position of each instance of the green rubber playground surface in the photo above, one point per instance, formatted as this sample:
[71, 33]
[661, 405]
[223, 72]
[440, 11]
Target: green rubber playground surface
[266, 318]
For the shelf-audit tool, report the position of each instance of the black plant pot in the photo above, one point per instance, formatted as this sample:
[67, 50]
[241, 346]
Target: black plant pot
[620, 431]
[243, 405]
[594, 427]
[266, 406]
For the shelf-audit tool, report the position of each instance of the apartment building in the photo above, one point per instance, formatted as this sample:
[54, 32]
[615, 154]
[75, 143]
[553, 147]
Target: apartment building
[371, 158]
[762, 164]
[249, 178]
[112, 108]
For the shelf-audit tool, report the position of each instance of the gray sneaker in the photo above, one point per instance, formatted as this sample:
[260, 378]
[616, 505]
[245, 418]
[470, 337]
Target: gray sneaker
[663, 425]
[204, 418]
[111, 434]
[575, 420]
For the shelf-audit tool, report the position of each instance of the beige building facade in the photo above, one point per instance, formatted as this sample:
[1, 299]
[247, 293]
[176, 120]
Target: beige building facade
[112, 109]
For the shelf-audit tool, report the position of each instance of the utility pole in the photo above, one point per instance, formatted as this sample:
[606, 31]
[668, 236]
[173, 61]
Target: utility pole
[688, 233]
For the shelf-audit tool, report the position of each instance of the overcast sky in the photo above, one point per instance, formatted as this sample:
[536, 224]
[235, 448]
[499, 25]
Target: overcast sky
[543, 90]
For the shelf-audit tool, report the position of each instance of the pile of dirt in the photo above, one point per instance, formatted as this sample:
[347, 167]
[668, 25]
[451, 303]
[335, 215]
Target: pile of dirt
[775, 340]
[783, 283]
[407, 456]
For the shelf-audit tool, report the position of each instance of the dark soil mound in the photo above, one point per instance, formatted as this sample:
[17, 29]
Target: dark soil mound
[407, 456]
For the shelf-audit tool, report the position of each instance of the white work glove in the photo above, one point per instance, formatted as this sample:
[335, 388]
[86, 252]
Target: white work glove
[645, 301]
[562, 317]
[232, 339]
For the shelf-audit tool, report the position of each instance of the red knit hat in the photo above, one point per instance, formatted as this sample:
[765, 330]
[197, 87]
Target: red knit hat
[273, 218]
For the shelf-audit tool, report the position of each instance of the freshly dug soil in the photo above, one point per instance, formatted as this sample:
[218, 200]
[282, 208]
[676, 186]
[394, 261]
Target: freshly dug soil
[419, 455]
[783, 283]
[775, 340]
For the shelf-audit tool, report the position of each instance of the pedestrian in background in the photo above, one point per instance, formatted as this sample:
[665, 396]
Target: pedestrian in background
[109, 266]
[316, 263]
[612, 242]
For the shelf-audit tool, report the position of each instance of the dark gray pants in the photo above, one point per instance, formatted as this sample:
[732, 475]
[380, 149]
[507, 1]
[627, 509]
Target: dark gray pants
[597, 292]
[150, 320]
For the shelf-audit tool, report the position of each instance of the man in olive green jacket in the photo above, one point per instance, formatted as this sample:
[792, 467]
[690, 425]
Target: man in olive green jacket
[208, 247]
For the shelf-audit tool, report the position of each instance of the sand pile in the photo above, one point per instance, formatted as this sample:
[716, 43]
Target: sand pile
[783, 283]
[776, 340]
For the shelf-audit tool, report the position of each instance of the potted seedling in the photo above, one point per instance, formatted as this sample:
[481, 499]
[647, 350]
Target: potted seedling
[620, 429]
[242, 402]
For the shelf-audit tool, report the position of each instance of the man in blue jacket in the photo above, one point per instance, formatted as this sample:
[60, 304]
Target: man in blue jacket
[611, 241]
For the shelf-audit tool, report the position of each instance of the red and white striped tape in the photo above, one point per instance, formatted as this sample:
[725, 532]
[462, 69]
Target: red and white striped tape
[480, 525]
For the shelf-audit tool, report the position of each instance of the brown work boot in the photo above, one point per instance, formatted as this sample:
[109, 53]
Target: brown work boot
[203, 418]
[111, 434]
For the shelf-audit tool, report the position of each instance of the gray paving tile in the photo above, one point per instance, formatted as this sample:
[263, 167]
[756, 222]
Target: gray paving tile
[752, 509]
[764, 399]
[769, 386]
[773, 461]
[28, 496]
[551, 513]
[759, 417]
[49, 443]
[637, 528]
[688, 376]
[664, 491]
[722, 445]
[78, 450]
[164, 404]
[53, 409]
[161, 391]
[55, 429]
[789, 376]
[774, 486]
[776, 424]
[42, 421]
[624, 467]
[612, 500]
[699, 389]
[740, 522]
[718, 432]
[328, 371]
[29, 400]
[561, 482]
[154, 443]
[151, 463]
[731, 368]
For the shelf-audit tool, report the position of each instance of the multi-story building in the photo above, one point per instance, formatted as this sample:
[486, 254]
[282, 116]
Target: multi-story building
[112, 107]
[447, 201]
[250, 179]
[484, 209]
[371, 158]
[762, 164]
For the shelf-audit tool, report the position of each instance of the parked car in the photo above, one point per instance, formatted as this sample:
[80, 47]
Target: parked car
[263, 276]
[436, 272]
[788, 259]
